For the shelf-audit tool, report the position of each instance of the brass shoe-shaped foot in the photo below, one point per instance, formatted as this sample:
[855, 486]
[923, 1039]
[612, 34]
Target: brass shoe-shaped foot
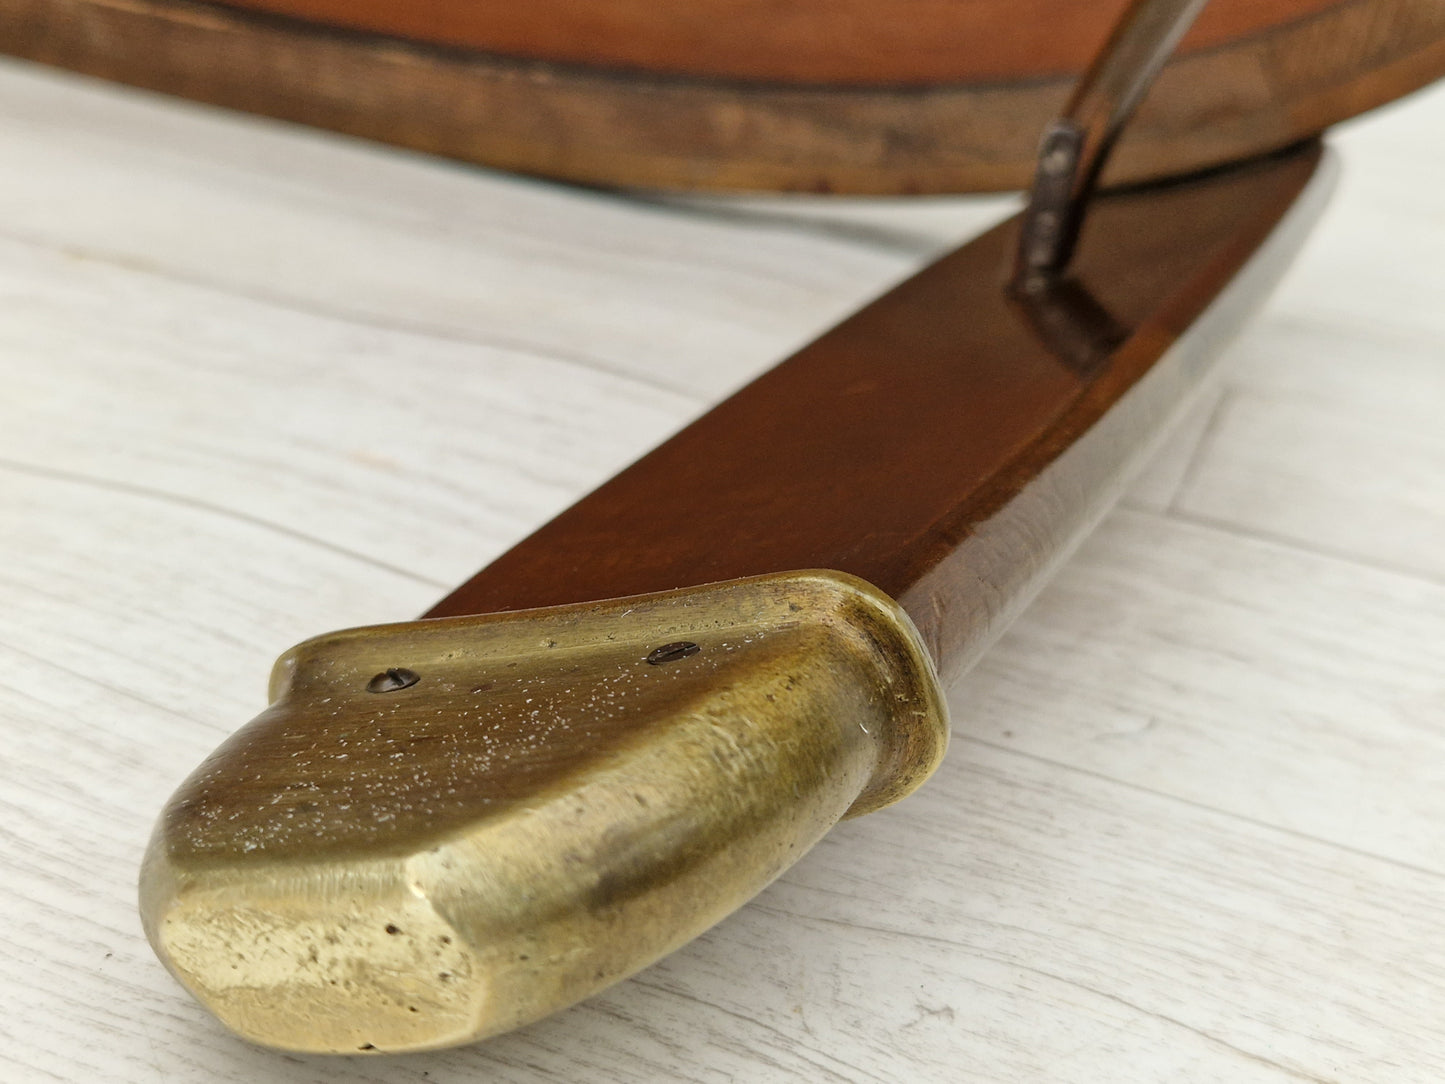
[443, 830]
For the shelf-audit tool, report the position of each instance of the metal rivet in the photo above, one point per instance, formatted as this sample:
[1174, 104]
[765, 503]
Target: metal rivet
[388, 681]
[672, 652]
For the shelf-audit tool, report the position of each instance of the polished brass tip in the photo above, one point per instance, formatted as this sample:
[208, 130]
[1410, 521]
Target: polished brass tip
[557, 799]
[347, 960]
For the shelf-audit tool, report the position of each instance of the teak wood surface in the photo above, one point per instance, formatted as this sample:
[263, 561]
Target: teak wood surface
[1261, 74]
[888, 446]
[262, 382]
[821, 42]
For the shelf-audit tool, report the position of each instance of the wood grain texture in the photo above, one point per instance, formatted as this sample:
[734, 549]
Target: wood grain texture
[833, 42]
[947, 382]
[1189, 827]
[611, 126]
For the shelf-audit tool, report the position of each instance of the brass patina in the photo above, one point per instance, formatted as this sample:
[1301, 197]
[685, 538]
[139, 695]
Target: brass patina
[559, 798]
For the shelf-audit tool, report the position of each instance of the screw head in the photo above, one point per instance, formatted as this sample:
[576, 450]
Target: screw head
[389, 681]
[672, 652]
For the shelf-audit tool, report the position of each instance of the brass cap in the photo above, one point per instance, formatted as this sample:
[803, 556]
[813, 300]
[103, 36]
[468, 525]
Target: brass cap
[446, 829]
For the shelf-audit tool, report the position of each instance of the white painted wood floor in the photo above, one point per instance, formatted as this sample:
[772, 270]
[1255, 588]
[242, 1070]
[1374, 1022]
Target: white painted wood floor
[259, 383]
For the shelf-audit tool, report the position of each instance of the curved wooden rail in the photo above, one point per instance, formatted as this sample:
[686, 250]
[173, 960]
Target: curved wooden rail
[1257, 84]
[859, 43]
